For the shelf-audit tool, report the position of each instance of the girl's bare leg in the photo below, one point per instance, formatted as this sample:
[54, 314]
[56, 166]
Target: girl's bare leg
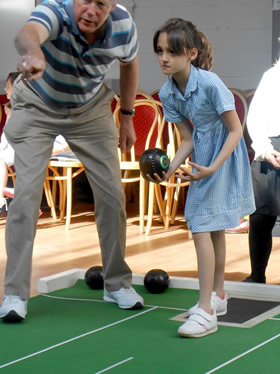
[219, 244]
[206, 268]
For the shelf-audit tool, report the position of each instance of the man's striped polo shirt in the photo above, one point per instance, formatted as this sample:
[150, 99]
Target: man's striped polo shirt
[75, 70]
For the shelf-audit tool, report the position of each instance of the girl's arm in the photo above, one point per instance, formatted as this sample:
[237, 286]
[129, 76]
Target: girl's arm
[233, 124]
[184, 150]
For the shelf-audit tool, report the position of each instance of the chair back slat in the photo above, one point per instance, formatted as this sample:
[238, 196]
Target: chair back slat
[240, 105]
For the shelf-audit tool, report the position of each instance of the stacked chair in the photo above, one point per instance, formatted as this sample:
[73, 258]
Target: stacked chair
[147, 121]
[152, 130]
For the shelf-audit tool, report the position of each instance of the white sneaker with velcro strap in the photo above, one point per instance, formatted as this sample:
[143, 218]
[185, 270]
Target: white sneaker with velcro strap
[218, 304]
[199, 324]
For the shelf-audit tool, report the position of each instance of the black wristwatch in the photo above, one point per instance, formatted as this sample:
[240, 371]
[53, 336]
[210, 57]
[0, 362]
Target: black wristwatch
[127, 112]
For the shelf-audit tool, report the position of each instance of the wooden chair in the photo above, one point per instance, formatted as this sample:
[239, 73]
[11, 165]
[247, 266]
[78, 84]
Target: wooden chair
[12, 174]
[1, 113]
[251, 153]
[167, 192]
[146, 121]
[241, 105]
[49, 197]
[114, 102]
[61, 172]
[3, 100]
[143, 95]
[249, 94]
[155, 95]
[167, 202]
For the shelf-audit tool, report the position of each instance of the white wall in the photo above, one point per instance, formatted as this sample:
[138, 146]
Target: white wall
[13, 14]
[239, 30]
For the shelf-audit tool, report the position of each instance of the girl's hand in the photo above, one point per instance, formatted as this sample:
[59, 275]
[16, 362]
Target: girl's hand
[202, 172]
[156, 178]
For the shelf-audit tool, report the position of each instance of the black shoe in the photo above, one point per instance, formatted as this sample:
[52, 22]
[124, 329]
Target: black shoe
[251, 280]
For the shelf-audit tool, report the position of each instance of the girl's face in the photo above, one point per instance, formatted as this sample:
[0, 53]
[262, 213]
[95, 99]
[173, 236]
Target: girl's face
[8, 88]
[171, 63]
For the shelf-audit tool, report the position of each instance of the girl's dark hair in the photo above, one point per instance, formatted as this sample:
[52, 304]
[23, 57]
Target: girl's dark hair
[183, 35]
[12, 76]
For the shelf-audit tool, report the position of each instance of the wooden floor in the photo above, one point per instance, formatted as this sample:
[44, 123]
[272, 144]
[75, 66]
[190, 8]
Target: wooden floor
[57, 249]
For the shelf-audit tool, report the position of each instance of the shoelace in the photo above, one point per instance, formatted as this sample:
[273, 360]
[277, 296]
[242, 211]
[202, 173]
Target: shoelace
[125, 291]
[14, 299]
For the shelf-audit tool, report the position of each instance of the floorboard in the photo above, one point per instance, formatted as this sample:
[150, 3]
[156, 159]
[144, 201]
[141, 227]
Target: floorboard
[57, 249]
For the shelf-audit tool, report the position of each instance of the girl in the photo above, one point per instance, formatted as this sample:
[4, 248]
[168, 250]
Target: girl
[221, 189]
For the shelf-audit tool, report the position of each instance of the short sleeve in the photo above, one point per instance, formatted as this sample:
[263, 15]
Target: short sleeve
[50, 17]
[221, 97]
[169, 110]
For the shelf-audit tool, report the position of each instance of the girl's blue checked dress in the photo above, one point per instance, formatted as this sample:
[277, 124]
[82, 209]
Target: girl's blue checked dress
[219, 201]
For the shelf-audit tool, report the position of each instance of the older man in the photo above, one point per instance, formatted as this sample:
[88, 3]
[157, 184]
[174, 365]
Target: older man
[66, 48]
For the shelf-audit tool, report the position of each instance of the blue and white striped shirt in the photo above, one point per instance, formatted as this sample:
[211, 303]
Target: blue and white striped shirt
[76, 70]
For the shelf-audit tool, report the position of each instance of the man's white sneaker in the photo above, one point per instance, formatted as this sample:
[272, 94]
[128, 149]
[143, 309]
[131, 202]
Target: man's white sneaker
[13, 308]
[218, 304]
[126, 298]
[199, 324]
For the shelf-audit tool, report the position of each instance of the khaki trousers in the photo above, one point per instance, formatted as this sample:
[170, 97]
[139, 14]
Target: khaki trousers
[92, 135]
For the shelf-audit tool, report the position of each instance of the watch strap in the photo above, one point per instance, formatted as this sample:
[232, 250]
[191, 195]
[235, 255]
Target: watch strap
[127, 112]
